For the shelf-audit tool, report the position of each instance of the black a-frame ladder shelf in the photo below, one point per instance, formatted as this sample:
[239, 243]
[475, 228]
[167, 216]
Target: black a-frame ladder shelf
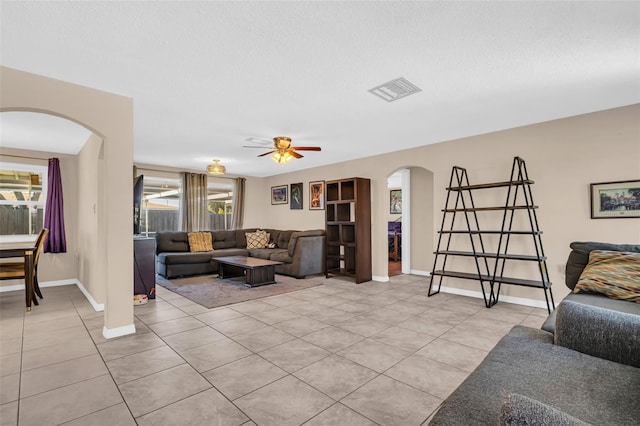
[491, 249]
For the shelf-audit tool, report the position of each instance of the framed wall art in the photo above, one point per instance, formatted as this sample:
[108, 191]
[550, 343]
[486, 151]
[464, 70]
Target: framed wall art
[279, 194]
[615, 199]
[296, 196]
[395, 201]
[316, 195]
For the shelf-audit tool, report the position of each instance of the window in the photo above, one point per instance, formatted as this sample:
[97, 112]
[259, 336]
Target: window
[23, 189]
[219, 205]
[160, 205]
[160, 210]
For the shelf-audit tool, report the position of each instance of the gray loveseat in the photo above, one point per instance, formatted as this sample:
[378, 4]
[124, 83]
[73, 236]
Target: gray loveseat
[578, 259]
[302, 252]
[586, 372]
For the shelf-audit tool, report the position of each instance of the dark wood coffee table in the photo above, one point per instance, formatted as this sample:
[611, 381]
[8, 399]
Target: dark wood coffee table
[257, 271]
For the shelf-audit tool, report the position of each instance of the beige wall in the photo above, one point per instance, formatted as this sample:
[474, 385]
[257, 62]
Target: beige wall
[563, 157]
[90, 272]
[111, 117]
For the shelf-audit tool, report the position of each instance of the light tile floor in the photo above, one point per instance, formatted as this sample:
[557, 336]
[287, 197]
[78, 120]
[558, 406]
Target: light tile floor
[336, 354]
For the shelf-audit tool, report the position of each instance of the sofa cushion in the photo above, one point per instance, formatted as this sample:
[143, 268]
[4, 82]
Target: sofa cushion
[579, 257]
[257, 240]
[615, 274]
[185, 258]
[280, 255]
[229, 252]
[224, 240]
[261, 253]
[282, 240]
[200, 241]
[172, 241]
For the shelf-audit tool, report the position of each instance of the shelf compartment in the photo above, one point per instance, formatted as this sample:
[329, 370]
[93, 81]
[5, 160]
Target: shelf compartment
[347, 190]
[348, 233]
[345, 212]
[333, 191]
[333, 233]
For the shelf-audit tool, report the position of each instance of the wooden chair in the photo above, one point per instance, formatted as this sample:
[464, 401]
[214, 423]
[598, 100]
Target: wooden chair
[15, 270]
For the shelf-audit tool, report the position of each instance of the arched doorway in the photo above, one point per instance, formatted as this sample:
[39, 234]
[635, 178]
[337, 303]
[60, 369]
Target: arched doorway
[410, 229]
[111, 117]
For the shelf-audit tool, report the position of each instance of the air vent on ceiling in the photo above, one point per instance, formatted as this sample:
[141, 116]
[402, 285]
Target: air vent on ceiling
[395, 89]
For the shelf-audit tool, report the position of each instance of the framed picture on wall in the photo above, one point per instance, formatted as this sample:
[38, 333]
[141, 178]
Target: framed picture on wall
[316, 195]
[615, 199]
[395, 201]
[296, 196]
[279, 194]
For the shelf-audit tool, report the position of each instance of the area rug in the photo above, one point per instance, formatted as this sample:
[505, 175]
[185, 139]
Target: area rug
[211, 291]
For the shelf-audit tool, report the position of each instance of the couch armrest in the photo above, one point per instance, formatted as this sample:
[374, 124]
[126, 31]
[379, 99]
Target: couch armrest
[300, 234]
[307, 256]
[519, 410]
[599, 332]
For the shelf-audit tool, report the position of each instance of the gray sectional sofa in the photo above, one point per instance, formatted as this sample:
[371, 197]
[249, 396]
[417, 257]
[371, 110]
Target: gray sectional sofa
[302, 252]
[586, 371]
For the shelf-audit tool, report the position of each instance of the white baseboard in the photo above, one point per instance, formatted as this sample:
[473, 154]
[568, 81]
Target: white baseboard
[42, 285]
[98, 307]
[110, 333]
[421, 273]
[380, 278]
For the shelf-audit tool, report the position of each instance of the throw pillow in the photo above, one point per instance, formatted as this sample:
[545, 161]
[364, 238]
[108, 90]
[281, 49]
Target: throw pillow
[258, 239]
[615, 274]
[200, 241]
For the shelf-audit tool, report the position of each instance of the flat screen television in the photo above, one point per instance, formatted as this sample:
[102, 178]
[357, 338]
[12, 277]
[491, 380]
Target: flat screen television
[137, 203]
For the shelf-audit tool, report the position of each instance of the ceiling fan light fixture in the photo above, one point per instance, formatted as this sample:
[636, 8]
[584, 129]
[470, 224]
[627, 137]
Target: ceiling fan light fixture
[282, 157]
[216, 169]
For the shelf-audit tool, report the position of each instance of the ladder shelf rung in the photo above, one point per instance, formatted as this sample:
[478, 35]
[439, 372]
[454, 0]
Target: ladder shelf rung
[503, 280]
[461, 231]
[493, 255]
[490, 185]
[480, 209]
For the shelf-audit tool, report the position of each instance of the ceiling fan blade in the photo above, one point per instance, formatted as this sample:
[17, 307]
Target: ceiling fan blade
[295, 154]
[267, 153]
[307, 148]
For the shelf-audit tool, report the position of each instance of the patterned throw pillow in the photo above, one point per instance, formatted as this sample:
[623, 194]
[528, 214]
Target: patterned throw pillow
[200, 241]
[615, 274]
[258, 239]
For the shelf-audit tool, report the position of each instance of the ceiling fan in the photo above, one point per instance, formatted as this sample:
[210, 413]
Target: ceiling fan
[282, 150]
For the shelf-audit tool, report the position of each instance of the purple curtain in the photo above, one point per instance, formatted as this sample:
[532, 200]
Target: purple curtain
[54, 211]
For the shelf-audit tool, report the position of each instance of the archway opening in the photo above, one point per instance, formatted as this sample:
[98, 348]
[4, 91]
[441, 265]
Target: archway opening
[410, 221]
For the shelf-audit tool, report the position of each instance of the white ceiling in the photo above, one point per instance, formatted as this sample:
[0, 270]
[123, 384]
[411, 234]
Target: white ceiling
[205, 76]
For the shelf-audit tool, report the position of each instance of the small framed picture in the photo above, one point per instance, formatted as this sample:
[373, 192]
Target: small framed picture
[615, 199]
[316, 195]
[296, 196]
[395, 201]
[279, 194]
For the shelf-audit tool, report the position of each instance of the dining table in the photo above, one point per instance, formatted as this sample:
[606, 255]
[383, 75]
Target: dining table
[27, 251]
